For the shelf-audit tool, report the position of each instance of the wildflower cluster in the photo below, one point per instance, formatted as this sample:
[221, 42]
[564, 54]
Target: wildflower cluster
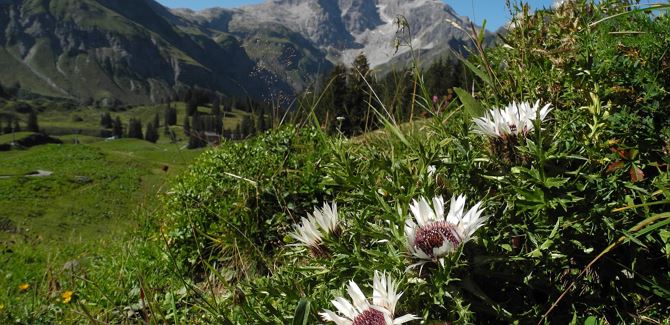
[430, 233]
[507, 127]
[430, 239]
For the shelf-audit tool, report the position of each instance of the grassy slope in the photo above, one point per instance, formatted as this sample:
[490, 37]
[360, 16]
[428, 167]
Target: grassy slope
[49, 221]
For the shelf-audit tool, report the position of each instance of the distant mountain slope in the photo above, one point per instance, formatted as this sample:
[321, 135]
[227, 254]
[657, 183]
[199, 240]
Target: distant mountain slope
[132, 50]
[138, 51]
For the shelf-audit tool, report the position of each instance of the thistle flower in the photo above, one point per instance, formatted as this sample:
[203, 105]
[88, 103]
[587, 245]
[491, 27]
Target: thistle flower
[308, 232]
[434, 236]
[513, 120]
[327, 218]
[361, 312]
[506, 126]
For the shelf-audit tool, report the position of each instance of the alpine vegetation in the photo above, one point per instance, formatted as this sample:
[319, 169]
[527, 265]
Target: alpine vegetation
[507, 127]
[435, 235]
[473, 213]
[361, 312]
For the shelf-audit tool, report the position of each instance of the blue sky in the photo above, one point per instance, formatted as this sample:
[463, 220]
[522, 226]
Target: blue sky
[494, 11]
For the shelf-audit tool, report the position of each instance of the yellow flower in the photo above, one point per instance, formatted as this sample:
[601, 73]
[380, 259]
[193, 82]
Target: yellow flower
[23, 287]
[67, 296]
[2, 306]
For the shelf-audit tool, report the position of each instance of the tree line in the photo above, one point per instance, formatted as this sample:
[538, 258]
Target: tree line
[12, 124]
[200, 126]
[349, 97]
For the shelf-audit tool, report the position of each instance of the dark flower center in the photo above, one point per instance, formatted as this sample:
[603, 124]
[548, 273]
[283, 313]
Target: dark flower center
[433, 236]
[370, 317]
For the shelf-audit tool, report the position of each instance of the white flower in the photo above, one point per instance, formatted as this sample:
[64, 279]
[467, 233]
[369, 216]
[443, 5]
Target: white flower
[513, 120]
[327, 218]
[359, 311]
[431, 170]
[310, 232]
[434, 236]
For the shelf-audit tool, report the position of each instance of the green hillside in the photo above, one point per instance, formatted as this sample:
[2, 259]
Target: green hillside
[96, 197]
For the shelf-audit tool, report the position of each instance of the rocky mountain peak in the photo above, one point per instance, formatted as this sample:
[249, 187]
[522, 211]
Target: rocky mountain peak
[345, 28]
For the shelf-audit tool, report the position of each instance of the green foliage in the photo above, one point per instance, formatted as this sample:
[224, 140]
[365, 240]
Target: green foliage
[262, 186]
[577, 227]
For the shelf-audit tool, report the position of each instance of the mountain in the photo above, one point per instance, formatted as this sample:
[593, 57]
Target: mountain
[137, 51]
[345, 28]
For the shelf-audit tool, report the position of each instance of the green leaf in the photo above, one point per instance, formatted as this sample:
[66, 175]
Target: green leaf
[478, 72]
[472, 106]
[554, 182]
[301, 316]
[591, 320]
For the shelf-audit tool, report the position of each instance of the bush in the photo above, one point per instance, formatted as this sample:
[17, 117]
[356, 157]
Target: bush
[235, 204]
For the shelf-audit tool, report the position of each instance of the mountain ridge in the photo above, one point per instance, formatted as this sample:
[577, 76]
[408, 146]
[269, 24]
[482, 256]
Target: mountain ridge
[139, 51]
[352, 26]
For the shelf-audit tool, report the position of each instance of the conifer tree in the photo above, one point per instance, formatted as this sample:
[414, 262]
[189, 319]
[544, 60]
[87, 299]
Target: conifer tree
[32, 125]
[187, 126]
[246, 126]
[439, 77]
[192, 106]
[135, 129]
[357, 96]
[218, 122]
[217, 115]
[106, 120]
[260, 122]
[238, 131]
[216, 106]
[117, 128]
[8, 127]
[197, 134]
[334, 98]
[170, 115]
[156, 121]
[151, 134]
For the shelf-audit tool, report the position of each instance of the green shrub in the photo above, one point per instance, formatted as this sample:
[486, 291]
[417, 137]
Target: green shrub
[234, 206]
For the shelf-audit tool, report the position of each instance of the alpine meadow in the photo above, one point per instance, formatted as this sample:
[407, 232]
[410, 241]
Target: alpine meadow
[348, 162]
